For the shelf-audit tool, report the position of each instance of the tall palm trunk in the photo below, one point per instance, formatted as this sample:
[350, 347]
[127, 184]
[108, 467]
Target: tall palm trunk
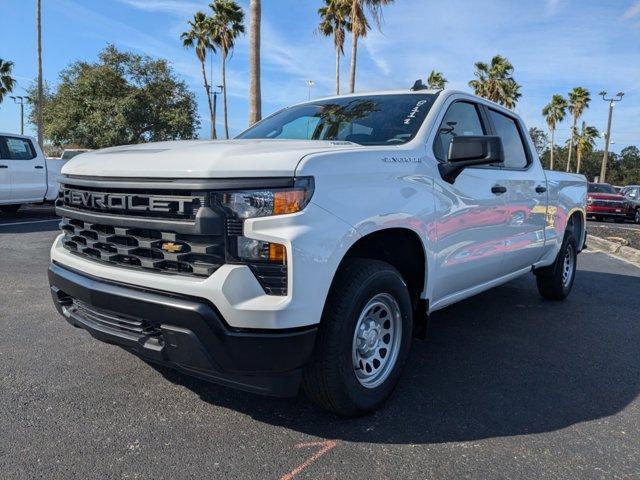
[578, 159]
[553, 146]
[207, 91]
[255, 94]
[338, 52]
[354, 53]
[224, 93]
[573, 129]
[40, 119]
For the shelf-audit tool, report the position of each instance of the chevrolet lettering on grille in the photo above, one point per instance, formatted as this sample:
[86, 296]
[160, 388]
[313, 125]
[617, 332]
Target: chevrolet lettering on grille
[132, 202]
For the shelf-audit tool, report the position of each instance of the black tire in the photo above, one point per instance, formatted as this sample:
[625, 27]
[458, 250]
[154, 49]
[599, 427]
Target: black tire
[636, 217]
[551, 281]
[9, 208]
[330, 379]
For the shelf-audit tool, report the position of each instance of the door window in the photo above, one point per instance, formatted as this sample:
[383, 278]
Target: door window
[461, 119]
[515, 155]
[17, 148]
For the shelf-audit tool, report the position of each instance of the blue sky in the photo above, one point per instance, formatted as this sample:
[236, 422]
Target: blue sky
[553, 44]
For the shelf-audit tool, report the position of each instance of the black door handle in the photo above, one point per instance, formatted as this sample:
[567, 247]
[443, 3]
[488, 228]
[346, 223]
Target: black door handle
[4, 166]
[541, 189]
[39, 167]
[498, 189]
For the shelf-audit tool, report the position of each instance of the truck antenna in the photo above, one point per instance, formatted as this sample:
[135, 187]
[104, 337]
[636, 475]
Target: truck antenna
[418, 85]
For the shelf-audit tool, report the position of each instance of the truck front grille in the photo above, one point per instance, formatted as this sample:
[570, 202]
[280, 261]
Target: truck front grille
[157, 250]
[608, 203]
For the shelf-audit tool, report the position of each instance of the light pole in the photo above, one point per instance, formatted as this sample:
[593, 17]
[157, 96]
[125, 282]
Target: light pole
[20, 101]
[310, 84]
[612, 101]
[215, 93]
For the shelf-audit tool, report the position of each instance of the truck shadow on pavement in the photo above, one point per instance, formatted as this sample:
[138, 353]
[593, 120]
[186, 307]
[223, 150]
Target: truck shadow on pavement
[503, 363]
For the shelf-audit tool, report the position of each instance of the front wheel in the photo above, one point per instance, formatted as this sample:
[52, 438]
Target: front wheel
[363, 340]
[555, 281]
[636, 217]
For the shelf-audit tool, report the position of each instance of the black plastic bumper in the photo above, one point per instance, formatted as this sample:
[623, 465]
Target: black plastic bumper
[182, 332]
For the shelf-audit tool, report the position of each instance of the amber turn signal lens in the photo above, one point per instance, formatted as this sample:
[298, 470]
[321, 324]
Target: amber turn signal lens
[289, 201]
[277, 253]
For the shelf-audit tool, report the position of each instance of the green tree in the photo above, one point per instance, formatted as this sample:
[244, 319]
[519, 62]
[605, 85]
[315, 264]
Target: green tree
[199, 37]
[585, 141]
[629, 161]
[227, 24]
[359, 28]
[495, 82]
[123, 98]
[579, 99]
[554, 113]
[334, 21]
[436, 80]
[539, 138]
[7, 82]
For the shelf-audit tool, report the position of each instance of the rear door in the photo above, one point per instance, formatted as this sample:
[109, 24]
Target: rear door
[472, 218]
[26, 168]
[526, 195]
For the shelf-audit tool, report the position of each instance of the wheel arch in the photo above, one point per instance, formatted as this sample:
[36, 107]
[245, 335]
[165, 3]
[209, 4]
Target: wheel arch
[404, 249]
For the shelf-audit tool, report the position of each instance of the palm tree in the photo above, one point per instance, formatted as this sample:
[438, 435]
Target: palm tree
[495, 82]
[579, 99]
[255, 94]
[227, 25]
[585, 142]
[436, 80]
[334, 22]
[7, 82]
[554, 113]
[359, 28]
[199, 36]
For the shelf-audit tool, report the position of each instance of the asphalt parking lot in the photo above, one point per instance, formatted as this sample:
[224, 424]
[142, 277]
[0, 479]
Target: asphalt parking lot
[506, 386]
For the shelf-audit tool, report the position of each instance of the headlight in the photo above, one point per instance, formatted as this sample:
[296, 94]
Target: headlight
[266, 202]
[589, 200]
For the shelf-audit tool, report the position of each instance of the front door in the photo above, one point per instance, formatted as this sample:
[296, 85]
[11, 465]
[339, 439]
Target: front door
[472, 218]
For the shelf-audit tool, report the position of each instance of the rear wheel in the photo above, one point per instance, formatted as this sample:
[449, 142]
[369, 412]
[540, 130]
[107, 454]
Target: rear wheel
[636, 217]
[555, 281]
[9, 208]
[363, 339]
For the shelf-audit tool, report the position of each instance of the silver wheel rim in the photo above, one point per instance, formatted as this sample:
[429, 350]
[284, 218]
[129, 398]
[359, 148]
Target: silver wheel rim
[376, 340]
[638, 216]
[567, 266]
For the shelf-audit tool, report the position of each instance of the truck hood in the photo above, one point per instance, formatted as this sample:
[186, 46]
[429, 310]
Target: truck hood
[200, 159]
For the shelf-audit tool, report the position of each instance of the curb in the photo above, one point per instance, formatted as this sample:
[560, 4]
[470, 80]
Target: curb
[615, 249]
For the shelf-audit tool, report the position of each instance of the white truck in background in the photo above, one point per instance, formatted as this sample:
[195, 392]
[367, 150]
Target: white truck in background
[310, 250]
[26, 176]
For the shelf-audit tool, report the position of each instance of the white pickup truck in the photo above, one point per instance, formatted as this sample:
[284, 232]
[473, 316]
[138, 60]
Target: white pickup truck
[310, 250]
[26, 176]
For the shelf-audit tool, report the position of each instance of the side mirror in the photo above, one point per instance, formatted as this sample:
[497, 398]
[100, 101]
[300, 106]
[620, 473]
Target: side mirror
[469, 151]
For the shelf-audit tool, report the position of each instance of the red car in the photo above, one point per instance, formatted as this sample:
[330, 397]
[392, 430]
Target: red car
[603, 201]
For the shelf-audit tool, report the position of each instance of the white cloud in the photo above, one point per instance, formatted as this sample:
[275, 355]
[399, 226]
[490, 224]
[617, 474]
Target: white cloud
[552, 6]
[176, 7]
[632, 11]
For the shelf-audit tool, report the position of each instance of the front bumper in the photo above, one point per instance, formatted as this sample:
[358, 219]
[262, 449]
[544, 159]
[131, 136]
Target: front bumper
[182, 332]
[593, 211]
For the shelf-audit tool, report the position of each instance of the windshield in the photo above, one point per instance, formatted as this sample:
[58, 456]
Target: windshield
[601, 188]
[366, 120]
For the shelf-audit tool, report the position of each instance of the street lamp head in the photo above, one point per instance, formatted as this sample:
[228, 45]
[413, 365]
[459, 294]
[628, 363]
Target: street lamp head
[603, 94]
[620, 94]
[311, 83]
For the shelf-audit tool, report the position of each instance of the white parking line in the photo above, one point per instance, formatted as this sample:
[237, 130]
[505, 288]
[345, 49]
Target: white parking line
[27, 223]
